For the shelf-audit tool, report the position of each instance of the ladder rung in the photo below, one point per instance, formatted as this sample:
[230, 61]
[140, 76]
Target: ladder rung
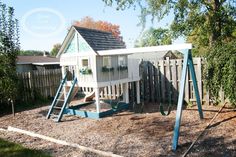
[54, 115]
[55, 119]
[60, 100]
[63, 92]
[57, 107]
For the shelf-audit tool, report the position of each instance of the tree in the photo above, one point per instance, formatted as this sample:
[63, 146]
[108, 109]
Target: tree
[89, 22]
[211, 20]
[31, 53]
[55, 49]
[9, 47]
[154, 37]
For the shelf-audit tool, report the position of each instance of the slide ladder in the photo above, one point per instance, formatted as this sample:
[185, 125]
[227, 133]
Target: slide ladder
[60, 102]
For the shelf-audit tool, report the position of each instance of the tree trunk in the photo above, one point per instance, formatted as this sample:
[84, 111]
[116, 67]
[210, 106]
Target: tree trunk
[215, 22]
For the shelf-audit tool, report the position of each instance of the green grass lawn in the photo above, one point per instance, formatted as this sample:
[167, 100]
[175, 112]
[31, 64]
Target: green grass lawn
[9, 149]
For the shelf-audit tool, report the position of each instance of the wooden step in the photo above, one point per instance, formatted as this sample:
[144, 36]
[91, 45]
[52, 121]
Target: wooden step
[60, 100]
[54, 115]
[57, 107]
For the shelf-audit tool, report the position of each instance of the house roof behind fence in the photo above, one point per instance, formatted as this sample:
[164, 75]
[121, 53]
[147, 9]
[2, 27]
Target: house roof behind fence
[37, 59]
[100, 40]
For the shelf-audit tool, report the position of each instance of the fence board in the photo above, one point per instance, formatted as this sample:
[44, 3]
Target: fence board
[174, 80]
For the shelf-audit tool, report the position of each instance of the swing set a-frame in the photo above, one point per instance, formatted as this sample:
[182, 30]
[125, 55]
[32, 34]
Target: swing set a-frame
[188, 63]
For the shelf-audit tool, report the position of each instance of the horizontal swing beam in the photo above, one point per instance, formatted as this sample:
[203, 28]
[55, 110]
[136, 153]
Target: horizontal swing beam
[145, 49]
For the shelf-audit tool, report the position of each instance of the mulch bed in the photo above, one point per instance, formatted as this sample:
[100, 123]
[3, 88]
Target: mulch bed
[127, 133]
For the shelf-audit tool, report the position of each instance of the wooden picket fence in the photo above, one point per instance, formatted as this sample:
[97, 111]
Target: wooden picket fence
[36, 85]
[160, 83]
[161, 79]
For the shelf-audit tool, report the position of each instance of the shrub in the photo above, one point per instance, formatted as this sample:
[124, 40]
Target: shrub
[220, 71]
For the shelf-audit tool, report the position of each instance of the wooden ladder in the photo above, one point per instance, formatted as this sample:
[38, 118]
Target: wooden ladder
[56, 110]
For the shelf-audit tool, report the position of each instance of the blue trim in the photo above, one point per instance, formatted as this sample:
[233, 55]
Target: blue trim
[188, 61]
[196, 91]
[77, 107]
[56, 96]
[66, 100]
[82, 113]
[93, 115]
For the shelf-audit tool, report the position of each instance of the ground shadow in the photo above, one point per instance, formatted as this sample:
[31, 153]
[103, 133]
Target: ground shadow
[214, 146]
[6, 110]
[155, 88]
[225, 120]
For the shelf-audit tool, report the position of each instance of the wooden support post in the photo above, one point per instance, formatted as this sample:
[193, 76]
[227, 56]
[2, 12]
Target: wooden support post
[195, 85]
[222, 96]
[180, 103]
[113, 88]
[97, 98]
[137, 92]
[12, 107]
[162, 83]
[126, 92]
[174, 80]
[63, 70]
[187, 61]
[199, 77]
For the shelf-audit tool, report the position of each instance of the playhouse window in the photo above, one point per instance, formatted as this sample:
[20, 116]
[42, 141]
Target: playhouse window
[107, 62]
[85, 63]
[71, 48]
[122, 61]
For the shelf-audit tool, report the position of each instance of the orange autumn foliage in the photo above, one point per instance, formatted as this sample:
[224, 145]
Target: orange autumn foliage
[89, 22]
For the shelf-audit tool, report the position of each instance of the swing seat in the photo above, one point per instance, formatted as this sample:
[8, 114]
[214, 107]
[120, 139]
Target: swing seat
[165, 113]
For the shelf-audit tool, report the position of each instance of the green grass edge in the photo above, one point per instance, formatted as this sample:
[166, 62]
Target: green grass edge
[10, 149]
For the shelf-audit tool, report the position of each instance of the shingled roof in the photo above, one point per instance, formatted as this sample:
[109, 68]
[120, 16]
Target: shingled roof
[36, 59]
[100, 40]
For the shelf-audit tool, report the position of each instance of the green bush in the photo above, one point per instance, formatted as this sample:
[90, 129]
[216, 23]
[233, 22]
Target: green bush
[107, 69]
[85, 71]
[220, 71]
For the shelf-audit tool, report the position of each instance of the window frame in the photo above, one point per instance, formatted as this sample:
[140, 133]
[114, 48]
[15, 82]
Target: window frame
[124, 60]
[108, 65]
[82, 62]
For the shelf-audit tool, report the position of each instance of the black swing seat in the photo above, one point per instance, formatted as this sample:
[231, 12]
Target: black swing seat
[165, 113]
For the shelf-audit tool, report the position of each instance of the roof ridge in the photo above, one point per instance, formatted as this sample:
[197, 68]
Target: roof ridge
[91, 29]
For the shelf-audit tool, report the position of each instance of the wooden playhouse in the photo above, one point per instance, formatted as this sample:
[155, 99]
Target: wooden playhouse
[89, 56]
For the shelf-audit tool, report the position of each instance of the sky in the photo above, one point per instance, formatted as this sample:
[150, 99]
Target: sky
[44, 23]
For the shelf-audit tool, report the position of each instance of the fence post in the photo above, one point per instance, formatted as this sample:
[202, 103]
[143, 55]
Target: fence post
[31, 85]
[174, 80]
[199, 77]
[162, 83]
[222, 96]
